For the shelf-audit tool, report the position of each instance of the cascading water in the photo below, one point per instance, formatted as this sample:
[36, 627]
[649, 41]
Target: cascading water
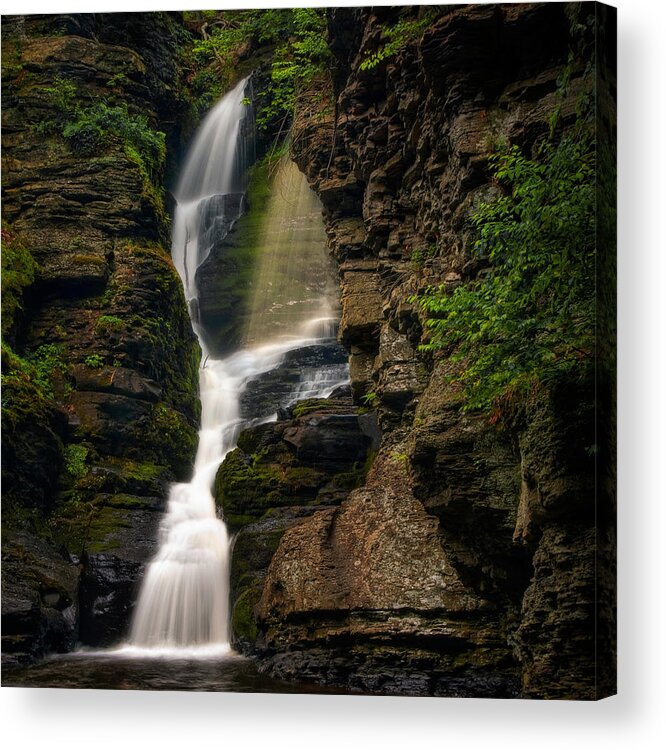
[183, 599]
[183, 602]
[293, 285]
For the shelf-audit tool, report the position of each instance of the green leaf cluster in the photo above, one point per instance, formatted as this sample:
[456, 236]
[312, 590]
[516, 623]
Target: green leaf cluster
[398, 35]
[18, 273]
[530, 316]
[89, 128]
[300, 53]
[94, 361]
[94, 126]
[29, 384]
[75, 460]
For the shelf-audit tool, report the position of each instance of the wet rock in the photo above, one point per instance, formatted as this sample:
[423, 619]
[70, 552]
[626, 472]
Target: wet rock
[274, 390]
[313, 456]
[117, 380]
[416, 131]
[280, 474]
[39, 596]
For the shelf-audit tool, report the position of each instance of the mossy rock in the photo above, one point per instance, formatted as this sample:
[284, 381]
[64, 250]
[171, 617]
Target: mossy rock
[172, 438]
[19, 271]
[248, 486]
[129, 476]
[99, 525]
[243, 620]
[32, 431]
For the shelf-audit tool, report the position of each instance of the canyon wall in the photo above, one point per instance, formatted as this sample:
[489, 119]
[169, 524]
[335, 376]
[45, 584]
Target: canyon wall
[100, 365]
[468, 562]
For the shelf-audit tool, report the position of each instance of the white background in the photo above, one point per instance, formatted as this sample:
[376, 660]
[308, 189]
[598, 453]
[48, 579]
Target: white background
[82, 719]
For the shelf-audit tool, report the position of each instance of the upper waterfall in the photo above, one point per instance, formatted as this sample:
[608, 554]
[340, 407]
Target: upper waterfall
[217, 159]
[210, 191]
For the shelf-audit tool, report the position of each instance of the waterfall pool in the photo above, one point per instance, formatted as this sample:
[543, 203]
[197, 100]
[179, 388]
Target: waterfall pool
[110, 671]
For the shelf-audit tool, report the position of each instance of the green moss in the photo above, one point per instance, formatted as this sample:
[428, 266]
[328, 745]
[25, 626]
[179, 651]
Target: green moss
[143, 471]
[174, 438]
[243, 620]
[152, 191]
[86, 259]
[31, 444]
[93, 526]
[306, 407]
[157, 325]
[106, 324]
[249, 486]
[18, 273]
[129, 502]
[12, 57]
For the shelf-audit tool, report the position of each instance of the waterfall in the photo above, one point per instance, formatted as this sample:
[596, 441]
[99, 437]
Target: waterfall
[294, 280]
[183, 600]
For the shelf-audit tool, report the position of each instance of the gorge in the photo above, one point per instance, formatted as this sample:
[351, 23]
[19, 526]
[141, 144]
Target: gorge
[353, 521]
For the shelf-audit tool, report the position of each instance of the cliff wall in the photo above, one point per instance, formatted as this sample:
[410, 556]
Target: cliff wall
[467, 563]
[100, 366]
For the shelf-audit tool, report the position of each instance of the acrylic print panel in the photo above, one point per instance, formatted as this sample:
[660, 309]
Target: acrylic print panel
[308, 332]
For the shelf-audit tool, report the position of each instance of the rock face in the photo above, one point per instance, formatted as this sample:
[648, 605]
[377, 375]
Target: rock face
[104, 393]
[466, 563]
[280, 387]
[281, 473]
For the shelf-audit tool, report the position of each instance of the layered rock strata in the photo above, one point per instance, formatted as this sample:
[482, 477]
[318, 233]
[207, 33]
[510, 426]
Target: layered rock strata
[466, 564]
[113, 409]
[282, 472]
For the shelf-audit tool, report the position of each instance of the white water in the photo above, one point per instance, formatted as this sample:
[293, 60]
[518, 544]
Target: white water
[183, 602]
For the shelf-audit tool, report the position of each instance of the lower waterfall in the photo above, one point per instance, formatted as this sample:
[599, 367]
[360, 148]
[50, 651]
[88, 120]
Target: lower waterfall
[183, 600]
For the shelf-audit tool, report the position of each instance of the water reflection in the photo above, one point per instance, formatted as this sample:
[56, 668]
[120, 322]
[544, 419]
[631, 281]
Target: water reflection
[111, 671]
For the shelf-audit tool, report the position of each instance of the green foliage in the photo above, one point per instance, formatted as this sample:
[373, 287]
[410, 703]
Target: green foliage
[531, 317]
[12, 58]
[61, 94]
[301, 408]
[48, 365]
[24, 398]
[95, 126]
[301, 53]
[94, 360]
[152, 191]
[18, 273]
[75, 460]
[370, 400]
[297, 62]
[398, 35]
[119, 79]
[108, 324]
[419, 255]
